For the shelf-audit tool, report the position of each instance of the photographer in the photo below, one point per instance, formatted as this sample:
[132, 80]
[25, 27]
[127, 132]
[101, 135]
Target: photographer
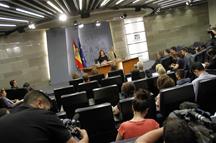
[34, 123]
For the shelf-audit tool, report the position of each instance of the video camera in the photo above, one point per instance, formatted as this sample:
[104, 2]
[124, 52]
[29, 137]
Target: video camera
[199, 122]
[72, 125]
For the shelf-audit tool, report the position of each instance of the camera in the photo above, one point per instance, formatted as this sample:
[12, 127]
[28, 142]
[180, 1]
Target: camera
[71, 126]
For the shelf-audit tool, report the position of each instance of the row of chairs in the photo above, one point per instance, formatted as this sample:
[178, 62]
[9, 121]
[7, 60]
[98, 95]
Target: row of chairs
[171, 98]
[100, 78]
[80, 99]
[150, 84]
[16, 93]
[108, 93]
[88, 87]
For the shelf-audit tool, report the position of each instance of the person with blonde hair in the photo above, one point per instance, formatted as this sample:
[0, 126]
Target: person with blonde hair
[160, 69]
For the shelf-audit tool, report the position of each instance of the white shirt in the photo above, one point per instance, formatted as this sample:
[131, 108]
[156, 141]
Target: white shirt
[196, 81]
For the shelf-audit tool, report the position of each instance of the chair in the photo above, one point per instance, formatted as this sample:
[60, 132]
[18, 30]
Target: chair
[54, 107]
[200, 57]
[16, 93]
[136, 74]
[99, 122]
[126, 112]
[166, 62]
[211, 71]
[117, 72]
[125, 107]
[73, 101]
[75, 83]
[62, 91]
[147, 84]
[172, 75]
[97, 77]
[106, 94]
[112, 80]
[171, 98]
[141, 83]
[88, 87]
[206, 95]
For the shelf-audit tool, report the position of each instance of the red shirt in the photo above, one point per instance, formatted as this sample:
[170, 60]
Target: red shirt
[131, 129]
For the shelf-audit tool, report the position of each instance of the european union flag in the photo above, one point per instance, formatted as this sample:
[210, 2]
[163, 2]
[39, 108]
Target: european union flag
[84, 62]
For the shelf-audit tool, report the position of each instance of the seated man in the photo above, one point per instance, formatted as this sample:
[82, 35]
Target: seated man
[13, 84]
[33, 123]
[138, 125]
[198, 69]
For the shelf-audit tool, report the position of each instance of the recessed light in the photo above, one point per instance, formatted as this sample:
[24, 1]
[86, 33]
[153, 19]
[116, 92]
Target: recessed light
[28, 12]
[4, 5]
[118, 2]
[7, 25]
[80, 4]
[104, 2]
[13, 19]
[31, 26]
[54, 6]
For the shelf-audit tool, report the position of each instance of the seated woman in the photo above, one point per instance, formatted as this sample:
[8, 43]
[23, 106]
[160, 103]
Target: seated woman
[160, 70]
[138, 125]
[127, 90]
[163, 81]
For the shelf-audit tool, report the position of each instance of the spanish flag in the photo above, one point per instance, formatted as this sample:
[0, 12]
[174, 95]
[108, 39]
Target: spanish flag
[78, 60]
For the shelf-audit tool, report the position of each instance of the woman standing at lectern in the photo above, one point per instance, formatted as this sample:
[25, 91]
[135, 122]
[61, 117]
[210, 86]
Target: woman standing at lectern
[102, 57]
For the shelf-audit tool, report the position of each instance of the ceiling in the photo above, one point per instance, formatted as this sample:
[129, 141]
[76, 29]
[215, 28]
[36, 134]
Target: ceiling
[16, 15]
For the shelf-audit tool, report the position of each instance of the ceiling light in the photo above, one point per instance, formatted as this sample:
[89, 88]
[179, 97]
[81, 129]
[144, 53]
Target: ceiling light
[123, 16]
[98, 23]
[7, 25]
[31, 26]
[81, 26]
[62, 17]
[54, 6]
[4, 5]
[188, 2]
[28, 12]
[136, 1]
[80, 4]
[118, 2]
[12, 19]
[104, 2]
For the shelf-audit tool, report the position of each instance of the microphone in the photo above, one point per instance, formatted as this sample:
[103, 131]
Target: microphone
[114, 55]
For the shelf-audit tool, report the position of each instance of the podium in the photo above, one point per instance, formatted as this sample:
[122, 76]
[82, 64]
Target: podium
[127, 66]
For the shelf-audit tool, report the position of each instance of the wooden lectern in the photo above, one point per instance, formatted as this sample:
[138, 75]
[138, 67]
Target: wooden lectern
[126, 65]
